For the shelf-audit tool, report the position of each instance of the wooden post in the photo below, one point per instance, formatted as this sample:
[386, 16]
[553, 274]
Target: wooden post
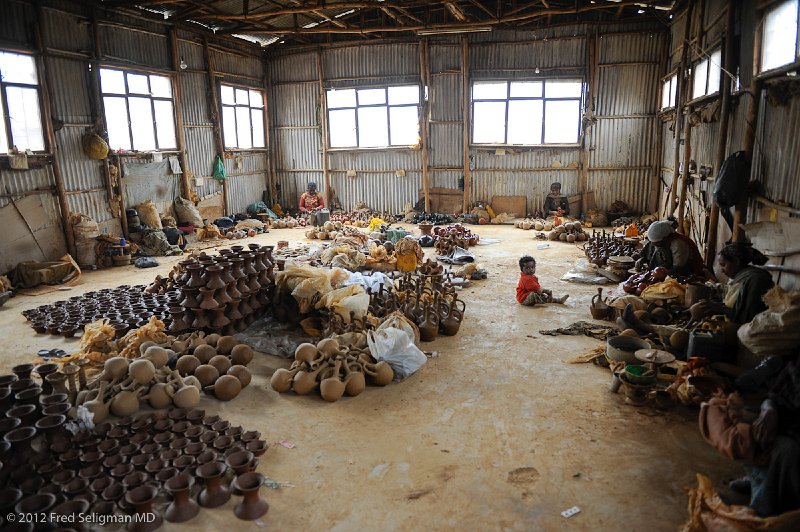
[724, 121]
[48, 110]
[273, 174]
[591, 94]
[425, 77]
[123, 216]
[466, 115]
[751, 129]
[323, 109]
[216, 123]
[683, 83]
[684, 177]
[178, 93]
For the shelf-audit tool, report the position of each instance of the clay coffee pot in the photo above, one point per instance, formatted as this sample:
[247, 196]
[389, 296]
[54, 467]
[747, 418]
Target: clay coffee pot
[452, 323]
[428, 325]
[252, 506]
[214, 494]
[141, 498]
[182, 508]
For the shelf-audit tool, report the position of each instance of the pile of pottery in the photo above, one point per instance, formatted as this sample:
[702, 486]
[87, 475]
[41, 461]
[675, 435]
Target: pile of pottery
[217, 362]
[446, 239]
[126, 307]
[220, 294]
[332, 369]
[602, 245]
[535, 223]
[288, 223]
[432, 218]
[568, 232]
[358, 217]
[328, 231]
[125, 467]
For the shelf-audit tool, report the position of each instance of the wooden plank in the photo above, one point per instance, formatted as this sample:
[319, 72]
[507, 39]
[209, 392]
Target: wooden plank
[516, 206]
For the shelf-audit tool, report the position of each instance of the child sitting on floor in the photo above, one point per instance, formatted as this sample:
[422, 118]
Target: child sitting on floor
[529, 291]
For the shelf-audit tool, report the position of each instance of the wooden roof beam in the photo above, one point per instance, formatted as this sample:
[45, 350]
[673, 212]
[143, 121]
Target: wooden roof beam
[456, 11]
[330, 5]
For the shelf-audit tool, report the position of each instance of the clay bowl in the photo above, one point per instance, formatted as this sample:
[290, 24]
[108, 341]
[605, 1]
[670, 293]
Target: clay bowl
[209, 436]
[223, 442]
[241, 462]
[99, 485]
[622, 349]
[32, 485]
[194, 432]
[178, 414]
[58, 409]
[151, 448]
[249, 436]
[71, 509]
[257, 447]
[169, 454]
[25, 413]
[54, 399]
[195, 415]
[206, 457]
[155, 465]
[179, 444]
[35, 504]
[184, 462]
[104, 508]
[70, 459]
[108, 447]
[163, 438]
[8, 424]
[210, 420]
[166, 474]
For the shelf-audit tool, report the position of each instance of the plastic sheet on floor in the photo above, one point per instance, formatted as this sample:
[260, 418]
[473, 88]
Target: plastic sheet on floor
[267, 335]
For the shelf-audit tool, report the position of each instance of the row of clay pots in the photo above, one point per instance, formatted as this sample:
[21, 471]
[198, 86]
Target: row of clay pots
[602, 245]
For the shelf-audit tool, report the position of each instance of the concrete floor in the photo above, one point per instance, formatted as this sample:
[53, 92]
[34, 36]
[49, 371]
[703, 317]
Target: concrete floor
[497, 433]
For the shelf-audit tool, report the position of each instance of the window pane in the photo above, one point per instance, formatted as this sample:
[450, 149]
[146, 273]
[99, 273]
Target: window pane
[489, 122]
[26, 123]
[112, 81]
[373, 131]
[226, 94]
[563, 89]
[665, 95]
[780, 36]
[714, 72]
[404, 125]
[526, 89]
[342, 127]
[673, 90]
[165, 125]
[117, 123]
[700, 78]
[258, 128]
[17, 68]
[400, 95]
[561, 122]
[3, 138]
[161, 86]
[242, 97]
[142, 124]
[371, 96]
[243, 127]
[345, 98]
[229, 126]
[256, 99]
[492, 90]
[525, 122]
[137, 84]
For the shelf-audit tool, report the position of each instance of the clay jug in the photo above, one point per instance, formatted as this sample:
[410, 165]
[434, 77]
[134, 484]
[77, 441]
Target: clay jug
[599, 308]
[452, 323]
[281, 380]
[332, 388]
[354, 381]
[305, 381]
[428, 325]
[379, 374]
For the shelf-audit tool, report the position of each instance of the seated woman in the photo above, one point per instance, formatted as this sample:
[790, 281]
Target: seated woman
[310, 200]
[555, 201]
[673, 251]
[746, 284]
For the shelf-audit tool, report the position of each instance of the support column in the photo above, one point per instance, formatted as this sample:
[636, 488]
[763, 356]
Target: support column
[466, 117]
[425, 77]
[178, 93]
[213, 107]
[751, 129]
[586, 134]
[323, 109]
[684, 176]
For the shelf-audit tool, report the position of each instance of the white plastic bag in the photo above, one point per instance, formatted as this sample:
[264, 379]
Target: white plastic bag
[397, 348]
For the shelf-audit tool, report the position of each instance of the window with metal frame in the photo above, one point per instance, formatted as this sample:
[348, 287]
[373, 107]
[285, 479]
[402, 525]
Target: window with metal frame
[20, 113]
[780, 45]
[139, 110]
[528, 113]
[707, 75]
[669, 92]
[242, 117]
[373, 117]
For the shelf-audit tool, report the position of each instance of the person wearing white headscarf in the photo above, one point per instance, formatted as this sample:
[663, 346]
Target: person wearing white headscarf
[673, 251]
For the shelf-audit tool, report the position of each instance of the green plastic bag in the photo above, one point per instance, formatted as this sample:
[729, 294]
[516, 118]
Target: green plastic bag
[219, 170]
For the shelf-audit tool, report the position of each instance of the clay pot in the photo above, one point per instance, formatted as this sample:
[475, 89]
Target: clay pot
[38, 505]
[182, 508]
[141, 499]
[257, 447]
[227, 387]
[23, 371]
[252, 506]
[331, 388]
[241, 373]
[53, 428]
[241, 462]
[379, 374]
[214, 494]
[305, 381]
[354, 381]
[20, 439]
[241, 354]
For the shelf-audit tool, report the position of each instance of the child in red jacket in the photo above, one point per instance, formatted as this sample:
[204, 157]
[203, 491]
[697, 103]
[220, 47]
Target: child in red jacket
[529, 291]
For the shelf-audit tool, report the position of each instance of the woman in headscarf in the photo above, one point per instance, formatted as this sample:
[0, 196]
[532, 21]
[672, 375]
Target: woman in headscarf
[555, 201]
[673, 251]
[310, 200]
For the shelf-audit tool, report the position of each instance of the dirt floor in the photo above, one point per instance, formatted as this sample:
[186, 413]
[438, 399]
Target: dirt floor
[498, 432]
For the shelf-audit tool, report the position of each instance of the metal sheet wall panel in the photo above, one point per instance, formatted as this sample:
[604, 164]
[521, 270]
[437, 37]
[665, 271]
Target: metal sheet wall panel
[71, 99]
[293, 67]
[490, 37]
[15, 182]
[381, 192]
[93, 204]
[567, 53]
[534, 185]
[16, 18]
[667, 145]
[245, 163]
[446, 145]
[297, 104]
[230, 63]
[244, 190]
[622, 142]
[776, 161]
[445, 178]
[195, 103]
[704, 143]
[630, 186]
[201, 152]
[77, 170]
[647, 46]
[293, 184]
[445, 97]
[192, 54]
[738, 124]
[371, 61]
[63, 31]
[531, 160]
[444, 58]
[714, 21]
[677, 30]
[139, 48]
[378, 161]
[615, 95]
[298, 149]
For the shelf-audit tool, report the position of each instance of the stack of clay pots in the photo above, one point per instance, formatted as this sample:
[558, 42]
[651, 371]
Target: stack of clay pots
[328, 231]
[288, 223]
[446, 239]
[602, 245]
[536, 224]
[332, 369]
[568, 232]
[222, 294]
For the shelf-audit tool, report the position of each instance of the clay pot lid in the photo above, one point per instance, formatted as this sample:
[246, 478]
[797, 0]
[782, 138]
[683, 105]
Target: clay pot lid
[656, 356]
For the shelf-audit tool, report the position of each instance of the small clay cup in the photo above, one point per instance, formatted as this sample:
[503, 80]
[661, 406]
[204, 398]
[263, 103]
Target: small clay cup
[252, 506]
[214, 494]
[182, 508]
[241, 462]
[257, 447]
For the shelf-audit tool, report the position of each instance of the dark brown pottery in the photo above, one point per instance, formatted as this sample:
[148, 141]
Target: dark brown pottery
[214, 494]
[182, 508]
[252, 506]
[141, 499]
